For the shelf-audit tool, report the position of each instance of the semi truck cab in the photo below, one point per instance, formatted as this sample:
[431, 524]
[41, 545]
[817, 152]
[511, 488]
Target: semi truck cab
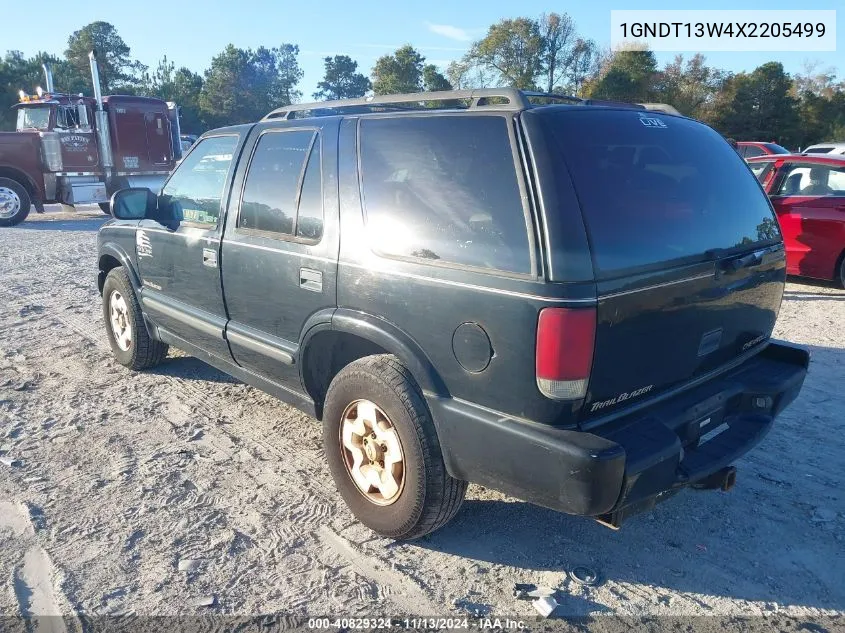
[74, 149]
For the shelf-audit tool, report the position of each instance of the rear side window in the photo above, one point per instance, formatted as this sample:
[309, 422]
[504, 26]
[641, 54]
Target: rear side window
[752, 150]
[818, 150]
[444, 189]
[277, 174]
[658, 190]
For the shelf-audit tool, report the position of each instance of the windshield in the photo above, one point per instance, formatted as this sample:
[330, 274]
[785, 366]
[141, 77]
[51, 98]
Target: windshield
[657, 189]
[37, 118]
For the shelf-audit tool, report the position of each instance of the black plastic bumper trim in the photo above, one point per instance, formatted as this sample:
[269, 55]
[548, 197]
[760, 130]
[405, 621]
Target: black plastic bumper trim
[634, 462]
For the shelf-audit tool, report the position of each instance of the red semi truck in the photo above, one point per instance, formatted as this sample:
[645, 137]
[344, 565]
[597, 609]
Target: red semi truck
[74, 150]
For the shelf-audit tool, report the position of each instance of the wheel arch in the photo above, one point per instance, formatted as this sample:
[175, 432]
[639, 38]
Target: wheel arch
[21, 177]
[112, 256]
[333, 340]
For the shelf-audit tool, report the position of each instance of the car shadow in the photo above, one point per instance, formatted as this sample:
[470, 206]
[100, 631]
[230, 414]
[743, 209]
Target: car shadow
[803, 296]
[88, 224]
[783, 519]
[810, 281]
[190, 368]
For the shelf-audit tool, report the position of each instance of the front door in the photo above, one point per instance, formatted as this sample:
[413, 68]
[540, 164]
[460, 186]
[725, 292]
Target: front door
[178, 256]
[810, 204]
[280, 251]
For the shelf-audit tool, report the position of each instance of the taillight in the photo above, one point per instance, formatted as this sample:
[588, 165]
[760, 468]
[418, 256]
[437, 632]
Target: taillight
[565, 341]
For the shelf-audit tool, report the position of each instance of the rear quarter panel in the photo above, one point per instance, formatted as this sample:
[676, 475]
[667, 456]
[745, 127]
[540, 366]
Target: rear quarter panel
[429, 303]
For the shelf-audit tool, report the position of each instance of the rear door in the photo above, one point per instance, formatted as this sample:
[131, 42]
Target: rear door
[809, 199]
[686, 251]
[178, 260]
[280, 249]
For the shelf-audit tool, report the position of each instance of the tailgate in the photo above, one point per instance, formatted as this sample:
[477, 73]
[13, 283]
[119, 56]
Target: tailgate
[673, 327]
[686, 251]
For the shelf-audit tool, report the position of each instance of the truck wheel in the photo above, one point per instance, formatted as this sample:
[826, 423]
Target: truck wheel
[105, 207]
[130, 342]
[15, 202]
[383, 450]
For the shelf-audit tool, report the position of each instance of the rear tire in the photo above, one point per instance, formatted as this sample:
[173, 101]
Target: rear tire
[428, 497]
[105, 207]
[15, 202]
[130, 342]
[841, 278]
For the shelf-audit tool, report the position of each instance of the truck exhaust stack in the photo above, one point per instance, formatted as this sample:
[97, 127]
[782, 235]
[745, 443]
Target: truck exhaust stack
[48, 77]
[103, 137]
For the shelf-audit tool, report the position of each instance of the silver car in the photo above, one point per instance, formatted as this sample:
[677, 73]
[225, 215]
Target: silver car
[825, 148]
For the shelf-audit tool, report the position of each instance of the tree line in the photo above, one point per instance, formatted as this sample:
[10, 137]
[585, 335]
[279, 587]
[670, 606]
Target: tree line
[544, 53]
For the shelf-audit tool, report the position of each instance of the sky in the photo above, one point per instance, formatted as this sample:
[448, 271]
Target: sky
[191, 33]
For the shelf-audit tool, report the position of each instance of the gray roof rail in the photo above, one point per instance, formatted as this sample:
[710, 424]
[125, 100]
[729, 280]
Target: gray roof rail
[477, 99]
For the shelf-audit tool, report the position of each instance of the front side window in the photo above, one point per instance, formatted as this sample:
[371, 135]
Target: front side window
[444, 189]
[194, 191]
[277, 174]
[33, 118]
[813, 180]
[67, 117]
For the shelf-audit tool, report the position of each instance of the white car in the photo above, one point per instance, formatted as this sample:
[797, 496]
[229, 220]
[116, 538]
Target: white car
[825, 148]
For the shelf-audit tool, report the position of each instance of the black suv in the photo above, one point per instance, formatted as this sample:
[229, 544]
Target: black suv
[568, 301]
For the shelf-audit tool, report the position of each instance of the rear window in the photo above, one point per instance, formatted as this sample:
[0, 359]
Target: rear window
[657, 190]
[774, 148]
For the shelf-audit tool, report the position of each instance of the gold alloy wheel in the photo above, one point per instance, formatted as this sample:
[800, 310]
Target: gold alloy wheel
[372, 452]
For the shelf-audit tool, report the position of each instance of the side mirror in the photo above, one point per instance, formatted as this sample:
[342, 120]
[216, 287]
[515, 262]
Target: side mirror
[134, 203]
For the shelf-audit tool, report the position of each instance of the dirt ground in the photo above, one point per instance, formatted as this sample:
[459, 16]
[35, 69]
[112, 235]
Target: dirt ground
[183, 491]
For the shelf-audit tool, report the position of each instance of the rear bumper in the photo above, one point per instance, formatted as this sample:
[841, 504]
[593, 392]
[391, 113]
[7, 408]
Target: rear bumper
[627, 465]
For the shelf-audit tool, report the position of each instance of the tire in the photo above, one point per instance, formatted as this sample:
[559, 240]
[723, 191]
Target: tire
[841, 277]
[15, 202]
[105, 207]
[428, 497]
[140, 350]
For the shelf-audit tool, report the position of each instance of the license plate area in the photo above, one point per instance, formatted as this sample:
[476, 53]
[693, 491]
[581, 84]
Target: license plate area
[703, 428]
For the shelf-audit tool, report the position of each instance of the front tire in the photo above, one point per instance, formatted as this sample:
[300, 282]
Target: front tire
[130, 342]
[105, 207]
[15, 202]
[383, 450]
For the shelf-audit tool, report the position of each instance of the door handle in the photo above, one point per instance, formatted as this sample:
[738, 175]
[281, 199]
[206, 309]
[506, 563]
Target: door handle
[209, 257]
[310, 279]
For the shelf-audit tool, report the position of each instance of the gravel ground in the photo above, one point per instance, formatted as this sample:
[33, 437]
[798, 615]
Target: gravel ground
[183, 491]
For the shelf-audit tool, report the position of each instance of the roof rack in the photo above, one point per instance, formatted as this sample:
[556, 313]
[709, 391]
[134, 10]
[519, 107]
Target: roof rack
[478, 99]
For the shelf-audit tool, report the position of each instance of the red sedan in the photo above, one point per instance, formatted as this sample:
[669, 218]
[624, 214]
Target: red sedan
[808, 194]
